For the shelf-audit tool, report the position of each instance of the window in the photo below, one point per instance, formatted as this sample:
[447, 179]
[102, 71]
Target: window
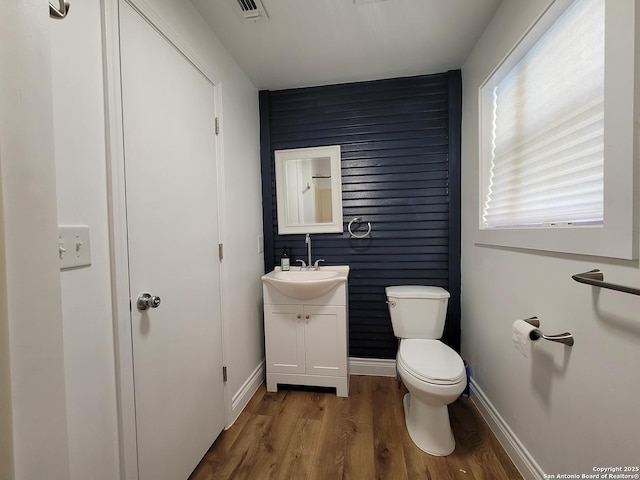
[557, 149]
[548, 134]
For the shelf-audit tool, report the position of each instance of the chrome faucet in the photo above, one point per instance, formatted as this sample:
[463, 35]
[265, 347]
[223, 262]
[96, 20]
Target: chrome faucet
[307, 240]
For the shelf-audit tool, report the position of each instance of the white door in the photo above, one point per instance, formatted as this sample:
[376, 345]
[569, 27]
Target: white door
[173, 234]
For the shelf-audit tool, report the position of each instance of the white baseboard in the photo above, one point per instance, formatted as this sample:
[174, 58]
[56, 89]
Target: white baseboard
[246, 391]
[380, 367]
[519, 455]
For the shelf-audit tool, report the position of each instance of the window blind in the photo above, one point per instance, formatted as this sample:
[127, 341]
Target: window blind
[548, 134]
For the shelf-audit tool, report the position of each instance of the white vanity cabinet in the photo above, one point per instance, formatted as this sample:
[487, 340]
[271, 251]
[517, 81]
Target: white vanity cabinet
[306, 340]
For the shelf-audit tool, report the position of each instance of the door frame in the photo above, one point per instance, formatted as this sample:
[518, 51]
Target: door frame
[116, 203]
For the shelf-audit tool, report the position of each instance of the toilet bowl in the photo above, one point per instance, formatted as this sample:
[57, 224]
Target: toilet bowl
[433, 373]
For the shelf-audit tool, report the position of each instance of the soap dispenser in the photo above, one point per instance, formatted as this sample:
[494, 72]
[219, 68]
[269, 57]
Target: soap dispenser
[284, 260]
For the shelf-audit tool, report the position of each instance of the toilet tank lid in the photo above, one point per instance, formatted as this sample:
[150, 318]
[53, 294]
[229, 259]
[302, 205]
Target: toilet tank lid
[416, 291]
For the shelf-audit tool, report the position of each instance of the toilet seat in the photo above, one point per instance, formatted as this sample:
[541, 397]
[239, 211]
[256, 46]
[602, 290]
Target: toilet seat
[431, 361]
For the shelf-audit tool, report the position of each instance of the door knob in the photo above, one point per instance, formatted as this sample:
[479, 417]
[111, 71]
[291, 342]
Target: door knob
[146, 300]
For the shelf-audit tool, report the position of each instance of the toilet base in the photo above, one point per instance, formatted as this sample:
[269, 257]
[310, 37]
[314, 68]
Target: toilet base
[429, 427]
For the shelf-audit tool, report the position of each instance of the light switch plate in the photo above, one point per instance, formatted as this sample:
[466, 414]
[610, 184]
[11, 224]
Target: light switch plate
[74, 247]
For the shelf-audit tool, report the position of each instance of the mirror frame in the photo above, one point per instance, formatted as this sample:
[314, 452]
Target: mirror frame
[333, 153]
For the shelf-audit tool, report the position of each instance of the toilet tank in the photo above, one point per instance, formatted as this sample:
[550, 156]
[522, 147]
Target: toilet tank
[417, 311]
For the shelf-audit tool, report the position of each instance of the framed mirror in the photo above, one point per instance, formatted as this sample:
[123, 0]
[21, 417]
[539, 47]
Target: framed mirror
[309, 190]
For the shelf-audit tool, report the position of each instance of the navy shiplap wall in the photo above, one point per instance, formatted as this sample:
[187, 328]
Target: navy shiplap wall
[400, 142]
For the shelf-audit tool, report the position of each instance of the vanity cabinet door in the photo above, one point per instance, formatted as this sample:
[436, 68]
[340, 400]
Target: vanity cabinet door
[284, 338]
[326, 340]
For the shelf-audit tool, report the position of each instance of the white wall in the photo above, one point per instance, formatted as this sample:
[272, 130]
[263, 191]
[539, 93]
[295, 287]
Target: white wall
[572, 409]
[31, 281]
[6, 411]
[6, 427]
[89, 358]
[79, 129]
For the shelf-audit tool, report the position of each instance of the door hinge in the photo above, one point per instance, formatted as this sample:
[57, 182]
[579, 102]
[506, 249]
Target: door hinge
[220, 252]
[224, 374]
[217, 125]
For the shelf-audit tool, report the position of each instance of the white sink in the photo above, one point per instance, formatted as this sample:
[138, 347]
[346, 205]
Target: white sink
[305, 275]
[305, 284]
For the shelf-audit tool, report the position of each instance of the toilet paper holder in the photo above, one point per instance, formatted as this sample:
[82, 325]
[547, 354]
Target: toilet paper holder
[565, 338]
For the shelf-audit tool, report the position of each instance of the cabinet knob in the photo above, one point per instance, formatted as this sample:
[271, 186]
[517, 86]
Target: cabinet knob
[298, 316]
[307, 317]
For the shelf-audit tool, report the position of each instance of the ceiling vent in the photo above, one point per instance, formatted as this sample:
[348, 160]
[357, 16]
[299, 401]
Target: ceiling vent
[250, 10]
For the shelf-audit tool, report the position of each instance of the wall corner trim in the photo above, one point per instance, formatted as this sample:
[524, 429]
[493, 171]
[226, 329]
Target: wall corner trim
[519, 455]
[267, 177]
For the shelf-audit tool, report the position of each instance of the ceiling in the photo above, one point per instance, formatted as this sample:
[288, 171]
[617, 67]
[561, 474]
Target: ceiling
[320, 42]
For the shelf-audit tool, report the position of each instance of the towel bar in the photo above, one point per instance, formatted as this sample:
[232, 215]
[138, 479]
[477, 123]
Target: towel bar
[565, 338]
[59, 12]
[596, 278]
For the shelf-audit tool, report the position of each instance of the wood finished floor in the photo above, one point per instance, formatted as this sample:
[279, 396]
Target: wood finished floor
[315, 435]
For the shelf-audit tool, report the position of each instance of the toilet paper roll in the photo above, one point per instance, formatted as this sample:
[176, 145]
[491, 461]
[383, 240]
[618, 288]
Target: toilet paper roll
[520, 334]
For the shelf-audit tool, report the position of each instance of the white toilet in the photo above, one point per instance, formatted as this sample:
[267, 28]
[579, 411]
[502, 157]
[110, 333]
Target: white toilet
[433, 373]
